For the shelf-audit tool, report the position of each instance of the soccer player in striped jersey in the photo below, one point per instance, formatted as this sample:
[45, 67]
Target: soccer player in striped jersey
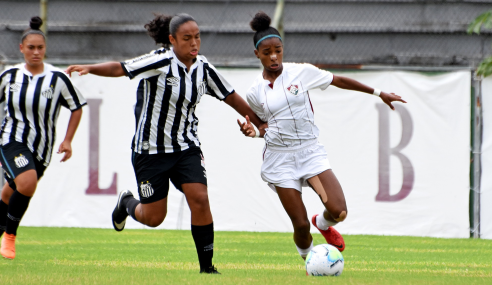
[293, 157]
[33, 93]
[166, 146]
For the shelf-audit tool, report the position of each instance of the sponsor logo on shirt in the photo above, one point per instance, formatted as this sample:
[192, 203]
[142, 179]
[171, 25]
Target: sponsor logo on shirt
[293, 89]
[173, 81]
[48, 93]
[14, 87]
[21, 161]
[146, 190]
[138, 58]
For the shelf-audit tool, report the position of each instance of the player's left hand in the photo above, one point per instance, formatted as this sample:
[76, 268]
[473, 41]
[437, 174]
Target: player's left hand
[391, 97]
[65, 147]
[246, 127]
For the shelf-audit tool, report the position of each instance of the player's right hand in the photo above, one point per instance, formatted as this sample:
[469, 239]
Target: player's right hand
[246, 127]
[81, 69]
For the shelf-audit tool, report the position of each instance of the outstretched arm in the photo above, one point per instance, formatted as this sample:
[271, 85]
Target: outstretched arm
[66, 145]
[238, 103]
[108, 69]
[351, 84]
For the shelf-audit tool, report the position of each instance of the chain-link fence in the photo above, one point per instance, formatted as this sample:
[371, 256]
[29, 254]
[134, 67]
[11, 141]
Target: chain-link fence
[393, 33]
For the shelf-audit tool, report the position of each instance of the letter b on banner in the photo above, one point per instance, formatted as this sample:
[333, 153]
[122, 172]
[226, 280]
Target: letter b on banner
[385, 152]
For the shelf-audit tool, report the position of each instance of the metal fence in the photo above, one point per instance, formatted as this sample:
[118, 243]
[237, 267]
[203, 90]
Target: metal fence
[391, 33]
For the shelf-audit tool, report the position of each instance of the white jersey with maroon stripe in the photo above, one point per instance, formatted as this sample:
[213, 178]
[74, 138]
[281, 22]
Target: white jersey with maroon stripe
[286, 106]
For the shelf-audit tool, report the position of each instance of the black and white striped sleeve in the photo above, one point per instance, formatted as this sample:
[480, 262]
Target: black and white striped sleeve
[3, 84]
[72, 96]
[217, 85]
[146, 65]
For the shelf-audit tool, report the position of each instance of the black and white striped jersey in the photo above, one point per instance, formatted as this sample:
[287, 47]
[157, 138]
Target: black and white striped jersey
[167, 96]
[32, 105]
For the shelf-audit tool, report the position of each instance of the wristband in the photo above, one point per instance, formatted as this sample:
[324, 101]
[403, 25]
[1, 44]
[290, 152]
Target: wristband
[376, 92]
[257, 132]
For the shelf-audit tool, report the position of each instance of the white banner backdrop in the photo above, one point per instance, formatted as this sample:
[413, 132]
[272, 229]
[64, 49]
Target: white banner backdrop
[424, 146]
[486, 181]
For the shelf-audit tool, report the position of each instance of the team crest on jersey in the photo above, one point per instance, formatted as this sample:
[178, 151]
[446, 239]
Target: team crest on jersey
[21, 161]
[14, 87]
[48, 93]
[146, 190]
[293, 89]
[173, 81]
[202, 87]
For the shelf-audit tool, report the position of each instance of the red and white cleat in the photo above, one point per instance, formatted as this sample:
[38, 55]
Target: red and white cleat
[331, 235]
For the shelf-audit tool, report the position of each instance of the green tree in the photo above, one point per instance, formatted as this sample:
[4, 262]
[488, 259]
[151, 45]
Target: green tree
[485, 21]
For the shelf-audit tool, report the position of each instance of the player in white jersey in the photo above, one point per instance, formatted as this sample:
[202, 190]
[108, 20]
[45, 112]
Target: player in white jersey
[165, 145]
[293, 157]
[33, 92]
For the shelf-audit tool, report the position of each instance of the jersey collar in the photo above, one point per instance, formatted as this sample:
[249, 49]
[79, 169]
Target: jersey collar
[28, 73]
[192, 67]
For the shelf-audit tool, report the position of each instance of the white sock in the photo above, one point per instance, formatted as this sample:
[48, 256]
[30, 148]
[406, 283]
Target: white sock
[322, 223]
[304, 252]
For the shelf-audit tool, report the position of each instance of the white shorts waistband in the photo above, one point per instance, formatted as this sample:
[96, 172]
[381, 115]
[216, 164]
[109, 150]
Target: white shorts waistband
[296, 148]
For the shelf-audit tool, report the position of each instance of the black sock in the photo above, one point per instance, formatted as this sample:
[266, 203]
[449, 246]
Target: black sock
[3, 216]
[17, 207]
[204, 242]
[130, 205]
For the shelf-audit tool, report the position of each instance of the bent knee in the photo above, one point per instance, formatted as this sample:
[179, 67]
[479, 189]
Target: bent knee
[154, 222]
[342, 215]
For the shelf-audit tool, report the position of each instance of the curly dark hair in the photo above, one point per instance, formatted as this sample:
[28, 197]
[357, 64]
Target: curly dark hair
[261, 25]
[158, 29]
[162, 26]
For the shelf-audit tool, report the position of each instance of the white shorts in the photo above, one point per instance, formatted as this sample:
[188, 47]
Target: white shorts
[290, 168]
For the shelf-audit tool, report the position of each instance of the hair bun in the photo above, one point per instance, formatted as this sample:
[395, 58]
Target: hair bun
[35, 23]
[260, 22]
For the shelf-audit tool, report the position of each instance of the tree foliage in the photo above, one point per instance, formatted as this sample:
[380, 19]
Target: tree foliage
[482, 21]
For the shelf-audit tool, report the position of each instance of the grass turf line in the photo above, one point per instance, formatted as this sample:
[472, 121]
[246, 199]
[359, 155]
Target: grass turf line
[103, 256]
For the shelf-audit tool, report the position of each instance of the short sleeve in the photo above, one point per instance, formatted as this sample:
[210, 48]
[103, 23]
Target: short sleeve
[146, 65]
[4, 79]
[72, 96]
[313, 77]
[217, 85]
[255, 104]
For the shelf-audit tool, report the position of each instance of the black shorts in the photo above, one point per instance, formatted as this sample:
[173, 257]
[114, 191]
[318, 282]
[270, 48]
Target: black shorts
[16, 158]
[153, 172]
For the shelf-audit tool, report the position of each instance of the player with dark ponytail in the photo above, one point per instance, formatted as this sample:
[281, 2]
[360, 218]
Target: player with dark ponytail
[33, 93]
[166, 146]
[293, 157]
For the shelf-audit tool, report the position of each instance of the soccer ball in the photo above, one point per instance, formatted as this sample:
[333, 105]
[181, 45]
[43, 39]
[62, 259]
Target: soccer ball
[324, 260]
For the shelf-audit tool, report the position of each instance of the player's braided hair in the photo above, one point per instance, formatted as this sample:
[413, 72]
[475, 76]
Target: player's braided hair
[34, 24]
[161, 26]
[261, 25]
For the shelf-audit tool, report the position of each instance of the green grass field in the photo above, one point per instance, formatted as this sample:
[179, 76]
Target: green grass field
[103, 256]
